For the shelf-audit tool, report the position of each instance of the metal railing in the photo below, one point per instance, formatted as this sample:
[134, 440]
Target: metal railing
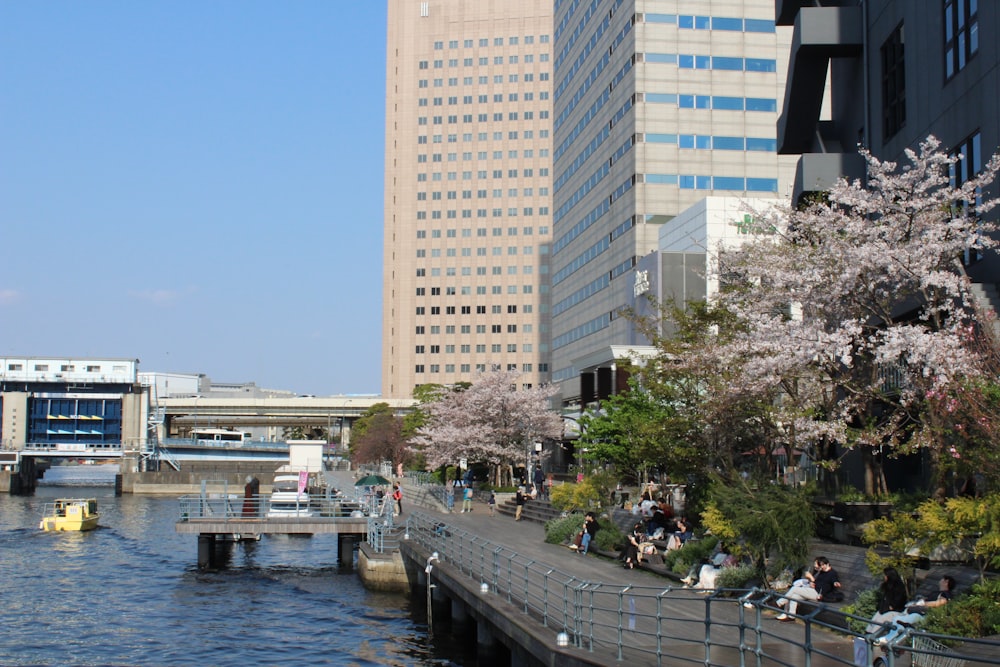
[660, 625]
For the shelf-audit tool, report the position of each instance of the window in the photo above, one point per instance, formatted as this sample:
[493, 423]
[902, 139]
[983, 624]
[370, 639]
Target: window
[893, 84]
[961, 34]
[970, 163]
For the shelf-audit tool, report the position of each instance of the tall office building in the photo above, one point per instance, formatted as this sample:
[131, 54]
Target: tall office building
[657, 104]
[467, 191]
[896, 71]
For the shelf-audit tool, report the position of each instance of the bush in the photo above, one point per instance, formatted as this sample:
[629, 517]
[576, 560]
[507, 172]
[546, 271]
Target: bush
[609, 538]
[562, 529]
[864, 607]
[694, 552]
[738, 577]
[976, 614]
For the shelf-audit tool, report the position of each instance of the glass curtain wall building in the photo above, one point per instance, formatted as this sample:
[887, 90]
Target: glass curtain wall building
[468, 178]
[656, 105]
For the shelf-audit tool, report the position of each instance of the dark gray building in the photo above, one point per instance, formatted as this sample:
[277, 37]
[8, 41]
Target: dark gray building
[895, 71]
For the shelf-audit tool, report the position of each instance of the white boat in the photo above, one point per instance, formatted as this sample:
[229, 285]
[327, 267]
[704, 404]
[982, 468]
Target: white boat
[286, 501]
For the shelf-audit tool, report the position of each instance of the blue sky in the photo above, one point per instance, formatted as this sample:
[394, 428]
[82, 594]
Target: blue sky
[197, 185]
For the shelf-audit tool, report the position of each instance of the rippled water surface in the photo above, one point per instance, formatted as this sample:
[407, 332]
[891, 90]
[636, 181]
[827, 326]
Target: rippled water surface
[130, 593]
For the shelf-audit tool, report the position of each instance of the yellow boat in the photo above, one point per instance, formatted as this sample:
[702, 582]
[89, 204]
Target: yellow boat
[70, 514]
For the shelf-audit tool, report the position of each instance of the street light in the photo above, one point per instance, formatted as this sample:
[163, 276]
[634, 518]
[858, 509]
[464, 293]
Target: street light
[430, 608]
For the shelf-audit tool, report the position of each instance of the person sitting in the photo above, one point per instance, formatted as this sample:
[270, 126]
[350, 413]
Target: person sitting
[682, 534]
[915, 612]
[821, 583]
[891, 601]
[633, 540]
[590, 527]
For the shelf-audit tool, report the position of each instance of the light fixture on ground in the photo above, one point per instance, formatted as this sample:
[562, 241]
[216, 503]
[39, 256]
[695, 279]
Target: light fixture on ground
[562, 639]
[484, 588]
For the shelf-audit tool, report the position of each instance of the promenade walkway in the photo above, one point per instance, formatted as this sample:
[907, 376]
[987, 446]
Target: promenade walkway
[632, 615]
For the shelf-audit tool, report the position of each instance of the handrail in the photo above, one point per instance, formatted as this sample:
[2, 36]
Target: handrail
[655, 623]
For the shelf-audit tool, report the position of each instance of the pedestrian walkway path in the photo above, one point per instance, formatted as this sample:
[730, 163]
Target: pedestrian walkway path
[782, 642]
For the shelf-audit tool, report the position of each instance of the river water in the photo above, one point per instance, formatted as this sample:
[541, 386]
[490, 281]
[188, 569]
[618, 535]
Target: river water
[130, 593]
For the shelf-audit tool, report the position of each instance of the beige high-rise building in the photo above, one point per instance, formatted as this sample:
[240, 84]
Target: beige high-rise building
[467, 191]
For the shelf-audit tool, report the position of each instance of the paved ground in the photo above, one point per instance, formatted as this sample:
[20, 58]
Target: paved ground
[528, 539]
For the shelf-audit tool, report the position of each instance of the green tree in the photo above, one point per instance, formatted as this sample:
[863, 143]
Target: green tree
[770, 524]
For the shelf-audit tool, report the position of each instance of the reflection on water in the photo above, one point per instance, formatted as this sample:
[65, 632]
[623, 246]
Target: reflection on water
[129, 593]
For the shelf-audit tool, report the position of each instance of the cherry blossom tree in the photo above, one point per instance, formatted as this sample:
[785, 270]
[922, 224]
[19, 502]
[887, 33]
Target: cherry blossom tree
[491, 422]
[854, 311]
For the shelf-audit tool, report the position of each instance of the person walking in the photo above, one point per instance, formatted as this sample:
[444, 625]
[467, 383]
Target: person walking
[518, 503]
[493, 503]
[467, 499]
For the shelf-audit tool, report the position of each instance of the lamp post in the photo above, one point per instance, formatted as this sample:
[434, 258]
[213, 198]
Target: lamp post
[430, 607]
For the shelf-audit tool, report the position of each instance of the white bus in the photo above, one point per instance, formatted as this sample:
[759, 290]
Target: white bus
[219, 437]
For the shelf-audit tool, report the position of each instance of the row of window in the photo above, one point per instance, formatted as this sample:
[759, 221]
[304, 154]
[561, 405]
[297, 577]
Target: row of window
[483, 61]
[725, 63]
[694, 182]
[708, 142]
[497, 41]
[452, 214]
[451, 329]
[483, 174]
[450, 271]
[467, 348]
[480, 271]
[483, 80]
[495, 290]
[497, 136]
[481, 368]
[687, 22]
[452, 100]
[498, 116]
[466, 232]
[718, 102]
[484, 194]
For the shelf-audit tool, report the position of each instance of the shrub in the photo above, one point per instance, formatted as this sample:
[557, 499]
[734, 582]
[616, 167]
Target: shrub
[863, 607]
[976, 614]
[680, 561]
[562, 529]
[609, 538]
[738, 577]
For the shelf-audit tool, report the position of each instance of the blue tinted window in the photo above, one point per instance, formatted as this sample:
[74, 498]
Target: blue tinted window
[721, 62]
[704, 182]
[703, 62]
[758, 25]
[727, 24]
[661, 98]
[761, 65]
[661, 58]
[685, 141]
[762, 184]
[761, 104]
[670, 18]
[703, 102]
[703, 141]
[685, 21]
[661, 138]
[728, 103]
[667, 179]
[686, 182]
[687, 62]
[685, 101]
[768, 145]
[727, 143]
[728, 183]
[701, 22]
